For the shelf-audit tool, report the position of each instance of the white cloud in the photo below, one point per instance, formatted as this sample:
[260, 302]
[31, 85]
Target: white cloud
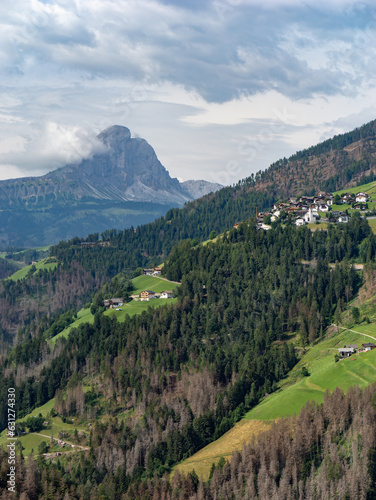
[50, 147]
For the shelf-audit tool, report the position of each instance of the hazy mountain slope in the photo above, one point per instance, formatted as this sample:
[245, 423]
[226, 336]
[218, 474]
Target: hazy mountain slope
[125, 185]
[127, 170]
[197, 189]
[334, 164]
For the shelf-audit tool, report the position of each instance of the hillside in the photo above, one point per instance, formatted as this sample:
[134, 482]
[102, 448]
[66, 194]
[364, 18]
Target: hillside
[339, 163]
[169, 381]
[159, 384]
[294, 393]
[297, 389]
[105, 192]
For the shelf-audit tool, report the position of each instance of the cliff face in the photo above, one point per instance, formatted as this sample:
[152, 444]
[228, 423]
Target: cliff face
[128, 170]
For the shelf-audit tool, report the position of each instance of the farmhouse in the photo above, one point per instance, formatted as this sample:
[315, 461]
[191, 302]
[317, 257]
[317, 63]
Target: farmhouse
[345, 352]
[157, 270]
[166, 295]
[148, 295]
[369, 346]
[323, 207]
[116, 302]
[346, 196]
[148, 272]
[352, 346]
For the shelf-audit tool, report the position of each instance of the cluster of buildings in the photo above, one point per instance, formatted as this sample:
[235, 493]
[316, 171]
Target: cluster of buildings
[308, 209]
[156, 271]
[116, 303]
[350, 349]
[149, 294]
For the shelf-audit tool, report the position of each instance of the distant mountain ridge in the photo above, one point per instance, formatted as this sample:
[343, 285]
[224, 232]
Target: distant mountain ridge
[128, 170]
[124, 185]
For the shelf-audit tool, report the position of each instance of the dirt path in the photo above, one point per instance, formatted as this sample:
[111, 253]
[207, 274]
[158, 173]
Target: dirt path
[67, 442]
[165, 279]
[360, 333]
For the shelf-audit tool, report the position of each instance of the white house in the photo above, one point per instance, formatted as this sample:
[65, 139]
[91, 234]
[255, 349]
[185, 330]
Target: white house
[369, 346]
[343, 218]
[323, 207]
[166, 294]
[362, 197]
[300, 222]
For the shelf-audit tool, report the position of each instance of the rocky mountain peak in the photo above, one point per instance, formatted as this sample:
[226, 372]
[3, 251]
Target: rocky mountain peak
[115, 136]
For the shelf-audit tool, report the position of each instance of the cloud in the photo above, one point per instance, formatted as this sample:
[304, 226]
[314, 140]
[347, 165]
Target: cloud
[52, 147]
[196, 79]
[222, 49]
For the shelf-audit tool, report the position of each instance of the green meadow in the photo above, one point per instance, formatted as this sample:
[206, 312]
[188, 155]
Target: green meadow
[151, 283]
[137, 307]
[31, 440]
[83, 316]
[129, 309]
[369, 188]
[297, 390]
[21, 273]
[294, 392]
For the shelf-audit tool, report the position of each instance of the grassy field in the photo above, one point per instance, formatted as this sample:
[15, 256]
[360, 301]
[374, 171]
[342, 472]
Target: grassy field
[321, 226]
[151, 283]
[224, 447]
[131, 308]
[369, 188]
[137, 307]
[83, 316]
[372, 223]
[21, 273]
[296, 390]
[32, 440]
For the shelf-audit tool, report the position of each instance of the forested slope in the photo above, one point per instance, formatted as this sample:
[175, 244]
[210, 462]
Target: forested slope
[173, 379]
[328, 451]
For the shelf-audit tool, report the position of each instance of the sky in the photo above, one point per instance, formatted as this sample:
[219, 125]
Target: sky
[219, 88]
